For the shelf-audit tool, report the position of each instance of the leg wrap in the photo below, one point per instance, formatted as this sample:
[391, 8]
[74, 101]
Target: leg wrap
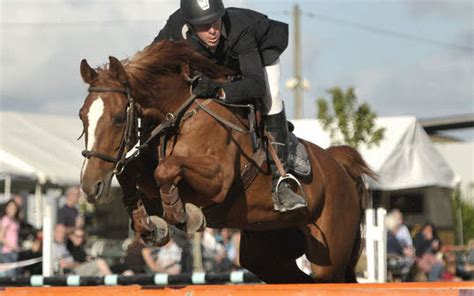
[173, 207]
[141, 221]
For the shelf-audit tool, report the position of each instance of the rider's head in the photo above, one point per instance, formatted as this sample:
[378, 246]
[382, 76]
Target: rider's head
[205, 16]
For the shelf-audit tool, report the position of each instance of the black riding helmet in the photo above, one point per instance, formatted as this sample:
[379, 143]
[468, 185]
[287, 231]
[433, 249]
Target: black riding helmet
[200, 12]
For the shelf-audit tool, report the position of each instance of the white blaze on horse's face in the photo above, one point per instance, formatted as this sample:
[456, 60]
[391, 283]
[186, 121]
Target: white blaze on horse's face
[95, 113]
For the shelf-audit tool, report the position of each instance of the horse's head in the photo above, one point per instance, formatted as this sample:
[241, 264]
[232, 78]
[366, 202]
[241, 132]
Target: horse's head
[108, 121]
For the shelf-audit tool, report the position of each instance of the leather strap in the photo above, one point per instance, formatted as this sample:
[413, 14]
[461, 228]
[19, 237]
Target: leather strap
[274, 155]
[252, 168]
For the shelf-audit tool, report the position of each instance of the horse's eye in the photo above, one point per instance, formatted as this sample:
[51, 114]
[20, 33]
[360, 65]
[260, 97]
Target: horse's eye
[119, 119]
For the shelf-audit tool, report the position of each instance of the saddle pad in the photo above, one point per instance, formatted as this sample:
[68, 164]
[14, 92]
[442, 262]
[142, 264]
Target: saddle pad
[298, 159]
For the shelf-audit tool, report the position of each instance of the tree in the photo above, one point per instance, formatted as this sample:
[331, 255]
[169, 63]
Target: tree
[355, 123]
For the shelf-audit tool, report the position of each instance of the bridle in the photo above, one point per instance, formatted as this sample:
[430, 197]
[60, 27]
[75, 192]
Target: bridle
[131, 130]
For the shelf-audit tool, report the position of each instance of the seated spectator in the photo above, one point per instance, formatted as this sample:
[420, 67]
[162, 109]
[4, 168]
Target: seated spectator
[75, 245]
[228, 261]
[401, 232]
[34, 251]
[138, 259]
[450, 270]
[427, 244]
[63, 261]
[400, 257]
[212, 250]
[68, 215]
[168, 259]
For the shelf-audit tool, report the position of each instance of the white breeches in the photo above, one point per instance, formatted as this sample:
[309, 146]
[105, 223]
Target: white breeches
[272, 102]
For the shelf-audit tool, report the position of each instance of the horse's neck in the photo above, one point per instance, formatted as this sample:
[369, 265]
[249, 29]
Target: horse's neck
[156, 103]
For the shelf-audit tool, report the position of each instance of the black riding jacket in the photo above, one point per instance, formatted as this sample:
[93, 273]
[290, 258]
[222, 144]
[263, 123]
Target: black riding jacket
[249, 41]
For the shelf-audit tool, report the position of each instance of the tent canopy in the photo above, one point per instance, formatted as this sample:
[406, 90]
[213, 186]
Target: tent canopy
[44, 147]
[405, 158]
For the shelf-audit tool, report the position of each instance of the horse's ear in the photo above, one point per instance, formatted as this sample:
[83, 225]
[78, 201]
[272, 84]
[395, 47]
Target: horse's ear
[88, 74]
[185, 71]
[117, 70]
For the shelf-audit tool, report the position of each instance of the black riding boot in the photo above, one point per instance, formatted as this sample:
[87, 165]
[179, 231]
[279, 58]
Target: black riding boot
[287, 199]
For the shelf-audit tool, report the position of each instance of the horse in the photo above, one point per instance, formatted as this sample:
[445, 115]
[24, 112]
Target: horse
[191, 164]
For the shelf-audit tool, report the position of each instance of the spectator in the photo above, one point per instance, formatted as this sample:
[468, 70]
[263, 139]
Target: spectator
[427, 244]
[75, 245]
[400, 257]
[68, 215]
[450, 270]
[64, 262]
[212, 250]
[34, 251]
[401, 232]
[138, 259]
[9, 234]
[169, 259]
[227, 261]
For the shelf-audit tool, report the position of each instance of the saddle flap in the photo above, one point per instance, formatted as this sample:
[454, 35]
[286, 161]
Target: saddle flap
[298, 159]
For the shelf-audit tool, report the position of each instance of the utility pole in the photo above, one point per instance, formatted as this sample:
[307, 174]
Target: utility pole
[298, 88]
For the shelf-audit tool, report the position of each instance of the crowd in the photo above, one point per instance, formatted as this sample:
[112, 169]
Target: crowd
[415, 254]
[71, 252]
[419, 255]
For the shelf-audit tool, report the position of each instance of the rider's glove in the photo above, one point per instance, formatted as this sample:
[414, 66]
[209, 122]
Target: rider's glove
[206, 88]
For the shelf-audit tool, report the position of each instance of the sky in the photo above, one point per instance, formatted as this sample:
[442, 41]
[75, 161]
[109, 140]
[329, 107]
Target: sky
[404, 57]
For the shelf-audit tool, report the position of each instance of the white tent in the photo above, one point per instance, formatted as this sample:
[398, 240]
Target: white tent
[41, 147]
[405, 158]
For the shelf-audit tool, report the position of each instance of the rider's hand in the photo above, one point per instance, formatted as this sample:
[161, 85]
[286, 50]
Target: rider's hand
[206, 88]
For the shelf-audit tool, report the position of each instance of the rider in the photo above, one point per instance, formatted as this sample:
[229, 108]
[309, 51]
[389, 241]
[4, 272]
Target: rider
[251, 44]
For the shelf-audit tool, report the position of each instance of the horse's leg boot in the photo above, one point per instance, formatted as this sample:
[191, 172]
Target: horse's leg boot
[173, 207]
[286, 199]
[153, 231]
[195, 222]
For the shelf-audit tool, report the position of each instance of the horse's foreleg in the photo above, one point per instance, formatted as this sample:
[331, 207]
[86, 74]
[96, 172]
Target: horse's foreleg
[152, 230]
[203, 174]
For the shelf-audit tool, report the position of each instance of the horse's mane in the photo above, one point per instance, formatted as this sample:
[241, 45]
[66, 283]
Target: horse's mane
[167, 57]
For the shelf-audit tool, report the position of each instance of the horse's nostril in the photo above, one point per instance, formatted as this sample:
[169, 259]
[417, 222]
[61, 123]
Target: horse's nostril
[99, 186]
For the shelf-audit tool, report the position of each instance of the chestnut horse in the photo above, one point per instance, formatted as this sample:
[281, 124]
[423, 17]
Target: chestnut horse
[193, 161]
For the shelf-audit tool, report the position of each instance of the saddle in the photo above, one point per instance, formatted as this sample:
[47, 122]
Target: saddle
[298, 161]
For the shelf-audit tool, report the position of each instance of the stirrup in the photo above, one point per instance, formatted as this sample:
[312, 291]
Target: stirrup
[290, 179]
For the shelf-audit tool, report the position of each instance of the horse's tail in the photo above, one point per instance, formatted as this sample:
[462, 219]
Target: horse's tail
[356, 167]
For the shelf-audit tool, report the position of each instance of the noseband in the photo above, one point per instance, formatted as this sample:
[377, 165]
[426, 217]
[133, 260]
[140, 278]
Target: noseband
[130, 130]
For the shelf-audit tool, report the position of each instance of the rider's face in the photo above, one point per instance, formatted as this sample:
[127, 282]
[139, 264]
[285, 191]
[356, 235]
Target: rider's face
[210, 33]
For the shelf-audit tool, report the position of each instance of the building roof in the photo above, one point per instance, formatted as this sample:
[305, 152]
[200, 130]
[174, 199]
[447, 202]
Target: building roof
[433, 125]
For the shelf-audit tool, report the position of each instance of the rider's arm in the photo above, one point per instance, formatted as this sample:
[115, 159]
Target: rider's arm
[252, 85]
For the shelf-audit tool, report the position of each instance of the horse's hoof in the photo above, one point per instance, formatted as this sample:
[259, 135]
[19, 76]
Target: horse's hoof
[195, 222]
[162, 232]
